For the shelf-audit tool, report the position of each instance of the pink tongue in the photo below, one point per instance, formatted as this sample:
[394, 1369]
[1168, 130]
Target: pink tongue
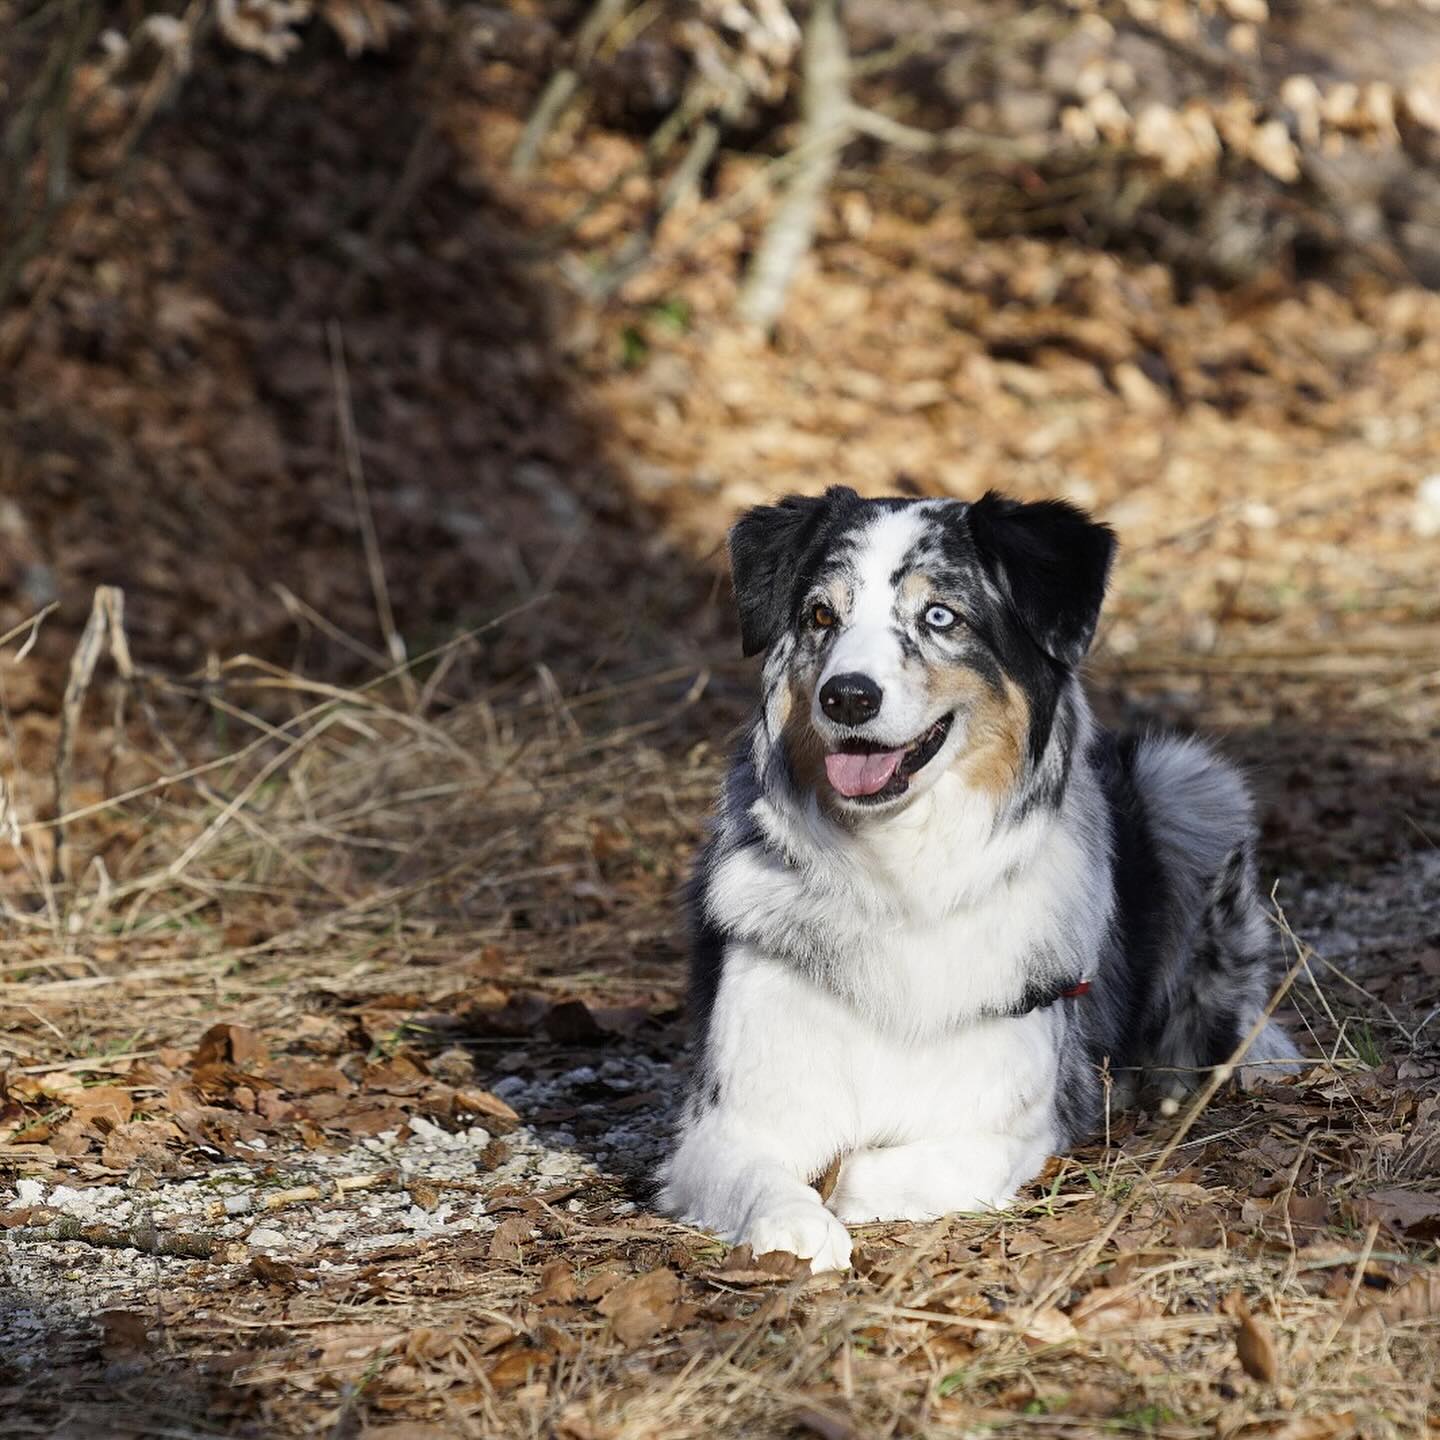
[862, 774]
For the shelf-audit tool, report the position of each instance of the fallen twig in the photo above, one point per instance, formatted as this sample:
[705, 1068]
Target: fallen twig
[106, 625]
[281, 1199]
[142, 1236]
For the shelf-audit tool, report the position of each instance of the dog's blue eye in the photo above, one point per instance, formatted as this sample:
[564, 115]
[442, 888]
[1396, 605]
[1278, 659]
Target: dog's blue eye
[940, 617]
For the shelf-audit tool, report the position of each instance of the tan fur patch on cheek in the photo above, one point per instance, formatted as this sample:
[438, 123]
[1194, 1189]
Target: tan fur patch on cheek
[802, 745]
[997, 730]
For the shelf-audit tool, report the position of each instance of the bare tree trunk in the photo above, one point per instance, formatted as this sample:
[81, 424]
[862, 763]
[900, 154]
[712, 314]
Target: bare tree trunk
[825, 109]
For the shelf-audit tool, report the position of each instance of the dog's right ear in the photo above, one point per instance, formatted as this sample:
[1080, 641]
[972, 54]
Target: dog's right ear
[766, 545]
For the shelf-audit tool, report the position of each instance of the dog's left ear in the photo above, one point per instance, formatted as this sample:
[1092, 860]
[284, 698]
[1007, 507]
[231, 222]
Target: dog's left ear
[1052, 560]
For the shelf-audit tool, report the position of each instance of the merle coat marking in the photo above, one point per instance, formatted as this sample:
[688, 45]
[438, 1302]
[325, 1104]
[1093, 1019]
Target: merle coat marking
[924, 850]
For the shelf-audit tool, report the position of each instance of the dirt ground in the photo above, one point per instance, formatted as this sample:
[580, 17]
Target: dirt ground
[342, 1019]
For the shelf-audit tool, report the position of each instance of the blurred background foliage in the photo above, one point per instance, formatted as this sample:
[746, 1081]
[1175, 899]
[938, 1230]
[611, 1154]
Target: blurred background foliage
[596, 275]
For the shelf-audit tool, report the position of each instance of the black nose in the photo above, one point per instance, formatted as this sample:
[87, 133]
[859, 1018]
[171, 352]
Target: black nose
[850, 699]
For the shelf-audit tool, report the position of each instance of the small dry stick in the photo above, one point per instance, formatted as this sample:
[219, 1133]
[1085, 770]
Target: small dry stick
[106, 624]
[143, 1237]
[959, 138]
[33, 626]
[684, 182]
[282, 1199]
[1356, 1280]
[356, 471]
[562, 85]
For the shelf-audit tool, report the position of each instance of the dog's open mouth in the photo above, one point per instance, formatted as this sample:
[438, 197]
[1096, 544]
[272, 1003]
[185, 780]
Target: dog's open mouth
[860, 770]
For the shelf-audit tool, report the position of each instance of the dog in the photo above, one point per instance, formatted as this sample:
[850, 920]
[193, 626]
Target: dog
[942, 910]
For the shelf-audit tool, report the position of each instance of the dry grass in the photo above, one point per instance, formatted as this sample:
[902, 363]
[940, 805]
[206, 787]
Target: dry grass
[1231, 1272]
[374, 880]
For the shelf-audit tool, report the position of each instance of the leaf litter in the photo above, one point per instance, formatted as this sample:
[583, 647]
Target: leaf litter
[337, 1116]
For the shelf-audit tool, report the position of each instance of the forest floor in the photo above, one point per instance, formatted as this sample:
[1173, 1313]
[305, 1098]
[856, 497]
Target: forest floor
[341, 1021]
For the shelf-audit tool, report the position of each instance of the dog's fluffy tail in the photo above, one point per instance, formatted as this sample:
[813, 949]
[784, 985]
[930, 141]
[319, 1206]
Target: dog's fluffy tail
[1224, 965]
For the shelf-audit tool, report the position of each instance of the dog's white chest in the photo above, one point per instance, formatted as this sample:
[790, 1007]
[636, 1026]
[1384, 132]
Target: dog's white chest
[927, 930]
[925, 977]
[785, 1042]
[984, 1078]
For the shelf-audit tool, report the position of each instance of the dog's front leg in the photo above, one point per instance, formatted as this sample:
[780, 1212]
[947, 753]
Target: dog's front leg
[730, 1177]
[770, 1108]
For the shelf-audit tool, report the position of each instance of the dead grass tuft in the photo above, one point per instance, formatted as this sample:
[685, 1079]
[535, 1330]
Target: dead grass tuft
[399, 904]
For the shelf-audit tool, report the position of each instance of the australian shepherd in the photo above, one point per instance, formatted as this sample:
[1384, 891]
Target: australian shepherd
[942, 909]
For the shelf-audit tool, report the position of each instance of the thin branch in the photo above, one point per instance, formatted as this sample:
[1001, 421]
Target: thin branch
[563, 85]
[374, 562]
[825, 103]
[105, 625]
[685, 180]
[957, 139]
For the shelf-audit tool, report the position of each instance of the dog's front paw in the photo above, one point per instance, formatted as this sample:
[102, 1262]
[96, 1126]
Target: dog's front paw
[804, 1228]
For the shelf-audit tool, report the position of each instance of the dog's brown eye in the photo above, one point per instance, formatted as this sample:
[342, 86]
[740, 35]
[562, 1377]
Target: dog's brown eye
[823, 616]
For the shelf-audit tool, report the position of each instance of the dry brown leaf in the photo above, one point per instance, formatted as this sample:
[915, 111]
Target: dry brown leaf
[124, 1332]
[1407, 1214]
[409, 1430]
[600, 1284]
[824, 1423]
[557, 1285]
[573, 1022]
[1201, 1229]
[139, 1142]
[1256, 1348]
[305, 1077]
[1308, 1212]
[345, 1349]
[58, 1085]
[107, 1104]
[237, 1045]
[1304, 1427]
[482, 1102]
[826, 1181]
[517, 1366]
[643, 1306]
[1418, 1299]
[508, 1237]
[1050, 1326]
[743, 1267]
[367, 1122]
[573, 1423]
[1102, 1310]
[275, 1272]
[395, 1075]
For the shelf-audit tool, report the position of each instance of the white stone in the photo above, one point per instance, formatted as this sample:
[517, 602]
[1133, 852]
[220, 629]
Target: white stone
[270, 1239]
[428, 1130]
[1425, 518]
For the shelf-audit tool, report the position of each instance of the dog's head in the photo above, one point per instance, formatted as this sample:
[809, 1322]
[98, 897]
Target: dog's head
[909, 637]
